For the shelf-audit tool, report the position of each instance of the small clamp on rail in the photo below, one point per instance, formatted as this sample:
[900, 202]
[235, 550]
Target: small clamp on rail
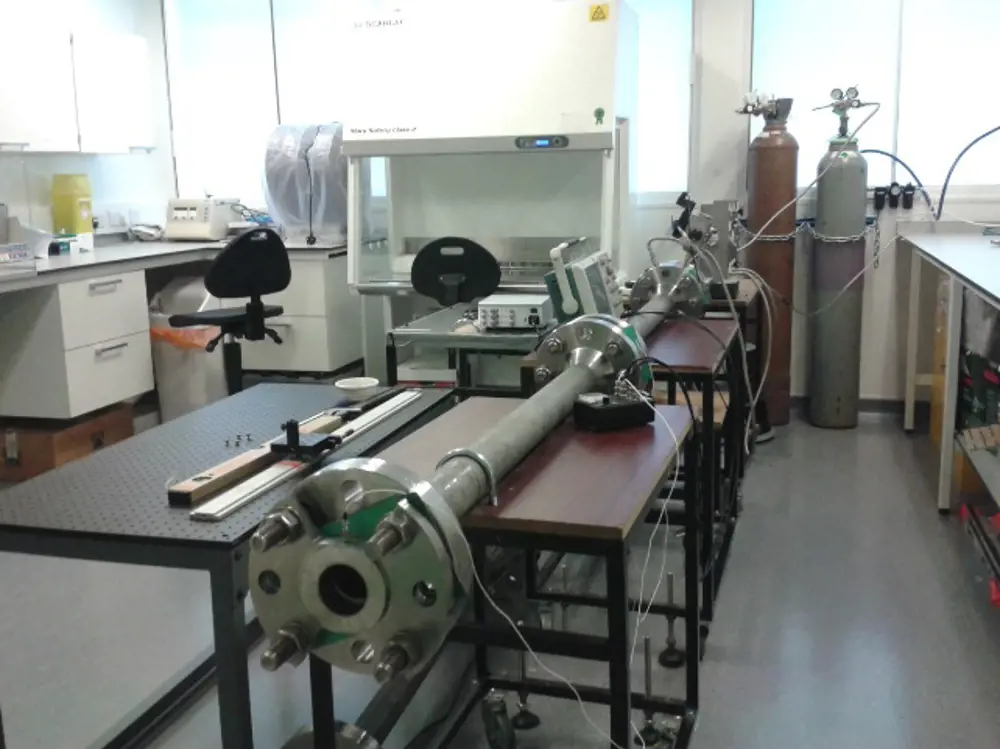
[480, 460]
[300, 446]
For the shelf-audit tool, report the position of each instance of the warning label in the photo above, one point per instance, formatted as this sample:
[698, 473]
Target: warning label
[599, 12]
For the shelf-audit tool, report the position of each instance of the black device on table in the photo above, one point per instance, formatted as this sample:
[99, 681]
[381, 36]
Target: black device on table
[601, 412]
[251, 265]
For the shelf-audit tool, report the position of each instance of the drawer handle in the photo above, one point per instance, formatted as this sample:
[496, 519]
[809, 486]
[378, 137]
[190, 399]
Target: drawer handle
[95, 285]
[110, 349]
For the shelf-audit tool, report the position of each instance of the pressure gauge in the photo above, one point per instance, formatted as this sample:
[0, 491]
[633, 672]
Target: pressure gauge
[852, 93]
[836, 94]
[894, 192]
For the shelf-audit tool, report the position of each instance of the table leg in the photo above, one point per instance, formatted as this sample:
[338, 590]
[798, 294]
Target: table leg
[229, 589]
[323, 713]
[618, 636]
[912, 339]
[391, 361]
[709, 496]
[479, 608]
[951, 372]
[692, 631]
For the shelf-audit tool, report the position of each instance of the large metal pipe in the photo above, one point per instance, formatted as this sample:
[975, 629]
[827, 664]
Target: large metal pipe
[462, 481]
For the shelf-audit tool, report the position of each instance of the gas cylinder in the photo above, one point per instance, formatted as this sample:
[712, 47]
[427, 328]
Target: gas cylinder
[772, 171]
[838, 255]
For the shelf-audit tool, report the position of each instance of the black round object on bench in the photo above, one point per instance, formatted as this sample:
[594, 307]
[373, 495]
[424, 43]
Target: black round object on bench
[452, 270]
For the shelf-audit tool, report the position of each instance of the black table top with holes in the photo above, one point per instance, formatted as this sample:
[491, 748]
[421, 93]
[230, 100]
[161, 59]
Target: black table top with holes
[121, 491]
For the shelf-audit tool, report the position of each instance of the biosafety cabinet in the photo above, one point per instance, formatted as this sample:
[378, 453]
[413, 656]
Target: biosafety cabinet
[508, 123]
[505, 122]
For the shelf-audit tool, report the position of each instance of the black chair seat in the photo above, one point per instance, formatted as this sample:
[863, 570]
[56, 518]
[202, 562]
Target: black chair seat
[220, 317]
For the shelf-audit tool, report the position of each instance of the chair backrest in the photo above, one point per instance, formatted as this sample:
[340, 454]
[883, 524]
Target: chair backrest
[451, 270]
[253, 264]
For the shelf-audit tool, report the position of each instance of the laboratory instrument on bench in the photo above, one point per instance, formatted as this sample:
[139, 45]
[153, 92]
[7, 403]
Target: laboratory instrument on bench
[305, 184]
[772, 179]
[200, 219]
[704, 232]
[601, 412]
[587, 286]
[838, 255]
[515, 311]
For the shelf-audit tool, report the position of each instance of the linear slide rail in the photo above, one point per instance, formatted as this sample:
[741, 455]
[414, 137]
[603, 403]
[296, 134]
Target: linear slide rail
[256, 486]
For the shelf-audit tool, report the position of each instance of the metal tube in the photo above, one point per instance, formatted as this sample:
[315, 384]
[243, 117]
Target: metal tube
[462, 482]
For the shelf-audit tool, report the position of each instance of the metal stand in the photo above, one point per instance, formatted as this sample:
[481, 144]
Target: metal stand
[525, 720]
[650, 735]
[672, 656]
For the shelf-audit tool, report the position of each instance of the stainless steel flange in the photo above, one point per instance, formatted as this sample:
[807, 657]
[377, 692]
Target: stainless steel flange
[373, 576]
[602, 343]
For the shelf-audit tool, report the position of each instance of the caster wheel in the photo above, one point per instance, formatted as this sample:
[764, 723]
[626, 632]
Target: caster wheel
[672, 658]
[499, 729]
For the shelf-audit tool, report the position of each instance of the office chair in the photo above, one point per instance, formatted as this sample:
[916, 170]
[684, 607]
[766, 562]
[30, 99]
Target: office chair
[451, 270]
[253, 264]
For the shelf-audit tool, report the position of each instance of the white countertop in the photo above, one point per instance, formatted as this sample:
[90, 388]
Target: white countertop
[122, 253]
[971, 257]
[124, 257]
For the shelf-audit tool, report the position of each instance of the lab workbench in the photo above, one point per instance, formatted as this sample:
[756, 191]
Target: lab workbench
[453, 330]
[112, 507]
[76, 333]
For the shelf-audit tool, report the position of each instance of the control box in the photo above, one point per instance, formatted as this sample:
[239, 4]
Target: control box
[515, 312]
[200, 219]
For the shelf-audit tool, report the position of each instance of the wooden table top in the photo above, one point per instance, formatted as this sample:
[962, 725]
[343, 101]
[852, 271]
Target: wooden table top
[688, 347]
[576, 484]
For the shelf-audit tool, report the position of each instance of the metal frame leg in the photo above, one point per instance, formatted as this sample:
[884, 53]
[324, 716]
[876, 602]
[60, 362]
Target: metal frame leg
[948, 420]
[232, 365]
[694, 647]
[229, 589]
[391, 362]
[479, 608]
[708, 475]
[912, 343]
[323, 713]
[618, 638]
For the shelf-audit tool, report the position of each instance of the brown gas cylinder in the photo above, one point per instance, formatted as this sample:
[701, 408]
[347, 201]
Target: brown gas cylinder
[772, 172]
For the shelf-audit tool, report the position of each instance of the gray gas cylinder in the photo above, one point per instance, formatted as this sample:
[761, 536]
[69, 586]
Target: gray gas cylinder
[835, 334]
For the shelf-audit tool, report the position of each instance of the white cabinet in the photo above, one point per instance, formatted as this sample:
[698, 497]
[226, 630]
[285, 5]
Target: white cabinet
[37, 97]
[87, 91]
[321, 324]
[113, 99]
[71, 349]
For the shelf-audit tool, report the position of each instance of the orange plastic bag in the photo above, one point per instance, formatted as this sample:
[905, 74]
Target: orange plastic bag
[186, 338]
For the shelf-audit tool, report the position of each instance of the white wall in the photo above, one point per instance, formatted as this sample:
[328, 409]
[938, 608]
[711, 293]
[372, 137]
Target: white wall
[135, 186]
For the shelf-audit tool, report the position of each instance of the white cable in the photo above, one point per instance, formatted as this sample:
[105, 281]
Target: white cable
[743, 347]
[770, 304]
[970, 222]
[797, 198]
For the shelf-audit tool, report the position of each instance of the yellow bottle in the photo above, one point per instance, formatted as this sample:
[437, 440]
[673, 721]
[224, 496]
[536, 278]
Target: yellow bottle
[72, 204]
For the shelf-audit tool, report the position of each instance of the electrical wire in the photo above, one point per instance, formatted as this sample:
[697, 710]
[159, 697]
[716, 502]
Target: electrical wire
[742, 341]
[797, 198]
[311, 238]
[894, 157]
[954, 164]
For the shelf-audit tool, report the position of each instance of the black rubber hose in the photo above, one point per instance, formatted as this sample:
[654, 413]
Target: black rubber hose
[944, 188]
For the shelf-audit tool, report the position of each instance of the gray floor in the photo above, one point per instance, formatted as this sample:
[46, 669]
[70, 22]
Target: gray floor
[850, 615]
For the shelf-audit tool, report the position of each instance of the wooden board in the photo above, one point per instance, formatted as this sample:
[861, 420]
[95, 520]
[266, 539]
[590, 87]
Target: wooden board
[29, 447]
[573, 483]
[721, 408]
[200, 487]
[689, 348]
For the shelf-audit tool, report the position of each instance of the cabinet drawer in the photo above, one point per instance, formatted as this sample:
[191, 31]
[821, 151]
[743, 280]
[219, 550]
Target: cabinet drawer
[108, 372]
[305, 347]
[99, 309]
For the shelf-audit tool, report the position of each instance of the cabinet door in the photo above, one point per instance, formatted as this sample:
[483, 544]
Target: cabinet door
[138, 78]
[100, 71]
[37, 100]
